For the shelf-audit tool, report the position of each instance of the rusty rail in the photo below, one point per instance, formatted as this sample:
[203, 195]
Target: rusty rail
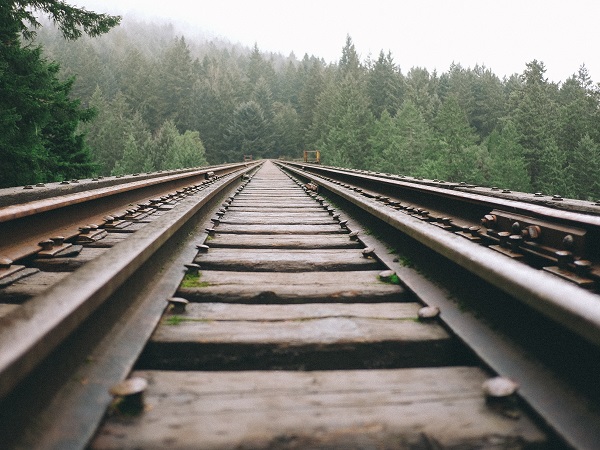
[29, 216]
[401, 205]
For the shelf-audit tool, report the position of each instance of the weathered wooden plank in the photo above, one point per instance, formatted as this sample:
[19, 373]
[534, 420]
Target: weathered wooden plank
[275, 193]
[285, 287]
[30, 286]
[405, 408]
[275, 204]
[273, 260]
[280, 210]
[282, 219]
[280, 229]
[194, 340]
[282, 241]
[265, 314]
[235, 214]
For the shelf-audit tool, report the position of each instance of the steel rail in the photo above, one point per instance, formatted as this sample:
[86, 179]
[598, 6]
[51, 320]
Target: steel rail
[29, 333]
[563, 302]
[565, 410]
[23, 225]
[16, 211]
[479, 199]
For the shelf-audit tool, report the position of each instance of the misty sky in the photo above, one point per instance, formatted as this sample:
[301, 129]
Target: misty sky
[502, 34]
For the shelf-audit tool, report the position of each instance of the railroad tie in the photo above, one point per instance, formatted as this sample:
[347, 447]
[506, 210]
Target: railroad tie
[292, 339]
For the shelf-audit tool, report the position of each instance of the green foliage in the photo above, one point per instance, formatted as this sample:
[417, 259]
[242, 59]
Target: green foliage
[584, 169]
[507, 166]
[167, 101]
[248, 133]
[39, 122]
[71, 21]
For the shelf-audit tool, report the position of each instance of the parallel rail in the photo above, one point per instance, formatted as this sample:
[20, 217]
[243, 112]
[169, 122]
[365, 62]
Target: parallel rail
[94, 324]
[464, 239]
[563, 243]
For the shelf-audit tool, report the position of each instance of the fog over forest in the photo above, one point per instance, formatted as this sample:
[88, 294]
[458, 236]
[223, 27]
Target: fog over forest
[164, 98]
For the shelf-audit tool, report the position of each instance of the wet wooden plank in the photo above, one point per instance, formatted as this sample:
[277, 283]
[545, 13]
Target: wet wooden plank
[284, 287]
[265, 314]
[281, 241]
[233, 214]
[404, 408]
[278, 210]
[280, 229]
[273, 260]
[268, 336]
[281, 219]
[30, 286]
[268, 194]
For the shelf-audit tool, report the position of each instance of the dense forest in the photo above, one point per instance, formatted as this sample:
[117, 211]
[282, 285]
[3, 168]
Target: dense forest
[163, 100]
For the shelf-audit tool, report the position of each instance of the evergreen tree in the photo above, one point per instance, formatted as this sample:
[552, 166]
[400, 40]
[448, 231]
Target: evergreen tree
[187, 151]
[534, 113]
[308, 97]
[287, 132]
[584, 170]
[347, 121]
[215, 98]
[554, 176]
[133, 157]
[416, 138]
[421, 89]
[386, 151]
[457, 157]
[384, 86]
[507, 166]
[161, 147]
[136, 147]
[349, 64]
[247, 133]
[172, 86]
[38, 121]
[108, 133]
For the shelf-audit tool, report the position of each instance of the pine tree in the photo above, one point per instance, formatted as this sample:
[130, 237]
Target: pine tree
[286, 126]
[457, 158]
[39, 140]
[584, 169]
[346, 125]
[384, 86]
[507, 166]
[107, 134]
[554, 177]
[416, 138]
[534, 113]
[187, 151]
[247, 132]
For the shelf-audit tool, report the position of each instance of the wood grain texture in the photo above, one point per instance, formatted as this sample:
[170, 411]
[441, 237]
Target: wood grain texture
[406, 408]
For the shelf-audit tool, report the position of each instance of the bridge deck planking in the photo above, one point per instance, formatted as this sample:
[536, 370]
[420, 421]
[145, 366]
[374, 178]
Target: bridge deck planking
[296, 241]
[406, 408]
[272, 408]
[292, 287]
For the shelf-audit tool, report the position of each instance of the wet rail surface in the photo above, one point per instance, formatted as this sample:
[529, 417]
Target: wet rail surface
[289, 325]
[297, 337]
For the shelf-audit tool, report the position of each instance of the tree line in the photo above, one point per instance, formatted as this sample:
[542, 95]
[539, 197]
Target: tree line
[162, 99]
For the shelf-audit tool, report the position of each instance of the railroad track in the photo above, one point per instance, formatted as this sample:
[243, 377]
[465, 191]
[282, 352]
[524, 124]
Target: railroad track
[307, 324]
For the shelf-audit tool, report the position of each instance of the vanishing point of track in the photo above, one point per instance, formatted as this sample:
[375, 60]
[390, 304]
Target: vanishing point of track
[297, 320]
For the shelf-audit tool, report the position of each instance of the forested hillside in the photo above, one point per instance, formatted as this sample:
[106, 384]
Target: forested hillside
[163, 98]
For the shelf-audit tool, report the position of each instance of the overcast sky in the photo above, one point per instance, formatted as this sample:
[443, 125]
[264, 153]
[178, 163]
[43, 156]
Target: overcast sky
[502, 34]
